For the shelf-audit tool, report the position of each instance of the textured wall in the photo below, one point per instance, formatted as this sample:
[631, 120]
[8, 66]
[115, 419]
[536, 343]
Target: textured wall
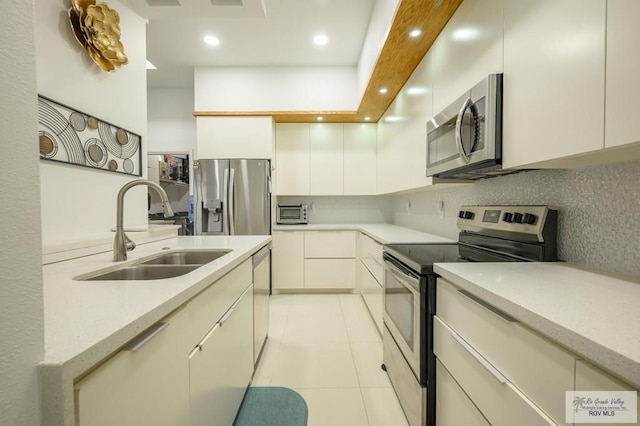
[598, 210]
[21, 313]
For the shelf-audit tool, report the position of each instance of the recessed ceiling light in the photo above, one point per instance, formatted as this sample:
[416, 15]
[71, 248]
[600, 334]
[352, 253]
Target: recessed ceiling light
[150, 66]
[415, 33]
[320, 118]
[393, 118]
[367, 118]
[211, 40]
[465, 33]
[383, 90]
[321, 40]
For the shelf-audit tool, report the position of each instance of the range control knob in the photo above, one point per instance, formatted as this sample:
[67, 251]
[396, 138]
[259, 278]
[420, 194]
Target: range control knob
[529, 219]
[517, 218]
[507, 217]
[465, 214]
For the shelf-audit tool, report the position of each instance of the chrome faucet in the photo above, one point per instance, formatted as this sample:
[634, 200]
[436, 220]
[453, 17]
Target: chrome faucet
[122, 243]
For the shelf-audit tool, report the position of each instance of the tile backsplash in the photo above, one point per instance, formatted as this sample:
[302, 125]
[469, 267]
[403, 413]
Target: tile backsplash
[599, 211]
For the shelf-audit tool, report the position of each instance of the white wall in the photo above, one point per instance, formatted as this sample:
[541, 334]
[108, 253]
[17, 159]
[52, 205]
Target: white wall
[381, 19]
[21, 306]
[172, 126]
[77, 201]
[235, 137]
[276, 89]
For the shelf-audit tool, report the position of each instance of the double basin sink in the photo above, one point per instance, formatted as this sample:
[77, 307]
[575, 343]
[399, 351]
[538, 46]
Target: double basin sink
[161, 266]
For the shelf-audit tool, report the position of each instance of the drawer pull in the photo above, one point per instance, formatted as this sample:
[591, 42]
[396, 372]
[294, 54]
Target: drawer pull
[147, 335]
[490, 368]
[494, 310]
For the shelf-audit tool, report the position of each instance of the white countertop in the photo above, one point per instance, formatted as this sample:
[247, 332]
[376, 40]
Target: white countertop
[593, 315]
[86, 321]
[382, 232]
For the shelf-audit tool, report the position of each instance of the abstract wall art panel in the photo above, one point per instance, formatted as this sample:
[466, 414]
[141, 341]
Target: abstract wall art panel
[73, 137]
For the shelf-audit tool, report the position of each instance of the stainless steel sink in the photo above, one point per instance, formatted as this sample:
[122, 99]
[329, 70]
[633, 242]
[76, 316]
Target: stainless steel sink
[187, 257]
[144, 272]
[164, 265]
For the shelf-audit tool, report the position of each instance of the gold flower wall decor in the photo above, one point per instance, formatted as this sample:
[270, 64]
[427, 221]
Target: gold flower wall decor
[97, 28]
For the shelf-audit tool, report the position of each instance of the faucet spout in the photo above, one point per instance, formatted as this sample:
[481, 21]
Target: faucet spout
[122, 243]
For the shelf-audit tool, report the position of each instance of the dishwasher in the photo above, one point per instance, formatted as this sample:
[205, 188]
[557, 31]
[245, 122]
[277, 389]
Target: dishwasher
[261, 291]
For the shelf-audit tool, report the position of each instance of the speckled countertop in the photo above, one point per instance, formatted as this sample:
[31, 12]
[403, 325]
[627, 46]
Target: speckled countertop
[86, 321]
[593, 315]
[382, 232]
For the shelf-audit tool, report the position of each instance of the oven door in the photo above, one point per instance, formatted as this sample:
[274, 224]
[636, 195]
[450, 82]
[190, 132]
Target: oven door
[402, 310]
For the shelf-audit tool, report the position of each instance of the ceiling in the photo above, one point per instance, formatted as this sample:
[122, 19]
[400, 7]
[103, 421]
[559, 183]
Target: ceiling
[251, 33]
[256, 33]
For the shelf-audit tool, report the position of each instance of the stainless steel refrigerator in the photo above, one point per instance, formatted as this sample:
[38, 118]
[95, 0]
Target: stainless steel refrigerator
[232, 197]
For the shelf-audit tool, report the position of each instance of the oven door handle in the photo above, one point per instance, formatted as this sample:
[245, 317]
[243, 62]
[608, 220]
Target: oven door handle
[404, 276]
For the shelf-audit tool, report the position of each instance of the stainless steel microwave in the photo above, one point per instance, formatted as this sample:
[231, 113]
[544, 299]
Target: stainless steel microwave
[464, 141]
[291, 214]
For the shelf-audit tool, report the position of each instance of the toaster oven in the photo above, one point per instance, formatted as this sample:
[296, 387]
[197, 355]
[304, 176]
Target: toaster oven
[291, 214]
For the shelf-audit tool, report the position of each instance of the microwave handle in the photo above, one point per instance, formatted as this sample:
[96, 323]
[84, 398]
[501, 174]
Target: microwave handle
[463, 154]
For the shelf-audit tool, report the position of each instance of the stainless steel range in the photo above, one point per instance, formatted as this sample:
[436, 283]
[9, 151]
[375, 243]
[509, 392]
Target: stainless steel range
[487, 234]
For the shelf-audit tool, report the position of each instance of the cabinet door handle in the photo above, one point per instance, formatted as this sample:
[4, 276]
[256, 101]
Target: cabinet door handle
[146, 336]
[490, 368]
[497, 312]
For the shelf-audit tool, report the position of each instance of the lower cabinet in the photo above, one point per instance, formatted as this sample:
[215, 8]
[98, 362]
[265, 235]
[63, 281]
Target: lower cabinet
[591, 378]
[145, 383]
[221, 365]
[372, 294]
[314, 260]
[158, 378]
[453, 407]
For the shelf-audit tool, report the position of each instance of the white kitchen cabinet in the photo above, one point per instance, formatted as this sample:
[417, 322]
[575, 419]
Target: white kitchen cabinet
[145, 383]
[539, 368]
[330, 244]
[292, 159]
[326, 159]
[372, 294]
[591, 378]
[453, 406]
[234, 137]
[370, 276]
[314, 260]
[288, 259]
[402, 134]
[221, 365]
[360, 159]
[496, 397]
[469, 48]
[623, 69]
[554, 73]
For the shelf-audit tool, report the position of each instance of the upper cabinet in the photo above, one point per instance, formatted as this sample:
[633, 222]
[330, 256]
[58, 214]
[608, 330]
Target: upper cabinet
[292, 159]
[326, 165]
[359, 158]
[554, 79]
[467, 50]
[325, 159]
[234, 137]
[623, 69]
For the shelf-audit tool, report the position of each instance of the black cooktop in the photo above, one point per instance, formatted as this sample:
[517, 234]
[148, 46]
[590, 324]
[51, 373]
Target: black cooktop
[421, 257]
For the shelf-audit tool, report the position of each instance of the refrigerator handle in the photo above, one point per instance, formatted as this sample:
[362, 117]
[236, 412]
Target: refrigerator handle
[231, 202]
[225, 204]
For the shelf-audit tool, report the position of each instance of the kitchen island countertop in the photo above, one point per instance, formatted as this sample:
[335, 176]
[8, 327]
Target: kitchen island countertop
[591, 314]
[87, 321]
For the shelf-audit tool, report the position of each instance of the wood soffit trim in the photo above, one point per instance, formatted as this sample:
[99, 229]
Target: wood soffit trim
[398, 59]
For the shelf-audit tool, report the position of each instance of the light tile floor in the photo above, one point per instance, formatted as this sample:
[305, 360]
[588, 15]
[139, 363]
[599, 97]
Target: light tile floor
[327, 348]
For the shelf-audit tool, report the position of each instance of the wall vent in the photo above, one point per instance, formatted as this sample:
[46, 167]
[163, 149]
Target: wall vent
[161, 3]
[226, 2]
